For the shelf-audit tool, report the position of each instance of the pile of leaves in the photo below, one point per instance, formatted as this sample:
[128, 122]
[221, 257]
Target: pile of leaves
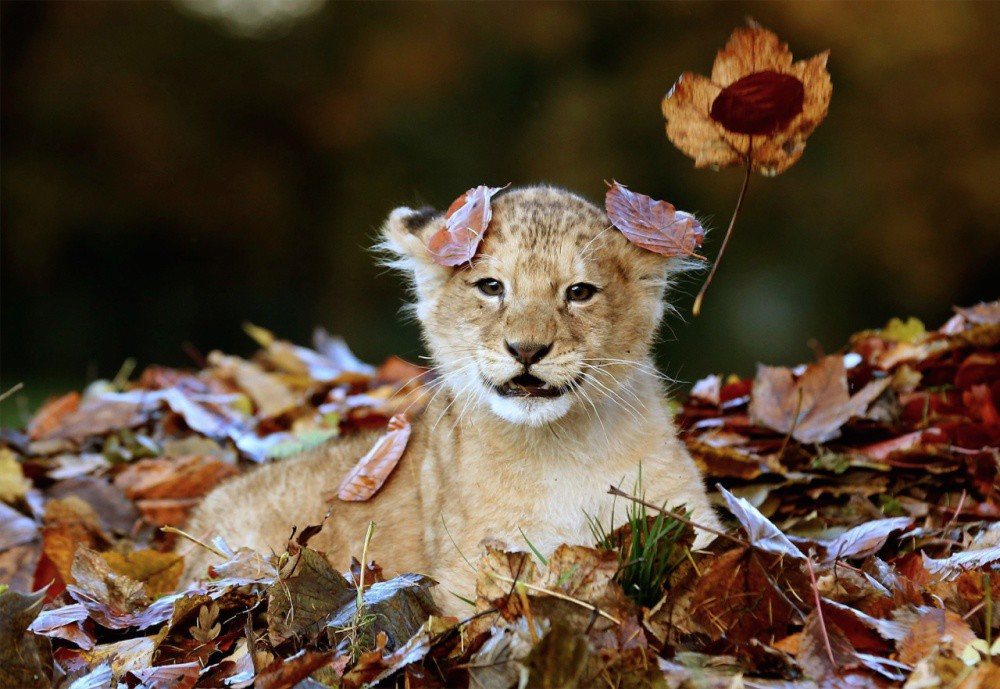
[862, 487]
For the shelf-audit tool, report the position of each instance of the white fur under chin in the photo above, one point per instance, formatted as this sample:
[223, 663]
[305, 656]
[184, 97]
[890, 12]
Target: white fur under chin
[530, 411]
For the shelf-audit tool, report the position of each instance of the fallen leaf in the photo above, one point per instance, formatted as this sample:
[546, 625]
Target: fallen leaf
[13, 484]
[758, 108]
[761, 532]
[52, 415]
[399, 607]
[813, 654]
[559, 659]
[123, 656]
[69, 524]
[25, 659]
[371, 472]
[113, 600]
[285, 673]
[98, 416]
[937, 630]
[308, 590]
[68, 622]
[737, 597]
[955, 565]
[653, 225]
[269, 394]
[812, 407]
[159, 572]
[865, 539]
[15, 528]
[180, 676]
[465, 225]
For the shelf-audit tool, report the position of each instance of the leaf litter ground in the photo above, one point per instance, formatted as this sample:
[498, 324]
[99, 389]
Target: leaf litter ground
[864, 547]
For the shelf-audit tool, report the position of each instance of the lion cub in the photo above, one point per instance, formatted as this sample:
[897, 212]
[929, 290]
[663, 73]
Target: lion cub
[547, 395]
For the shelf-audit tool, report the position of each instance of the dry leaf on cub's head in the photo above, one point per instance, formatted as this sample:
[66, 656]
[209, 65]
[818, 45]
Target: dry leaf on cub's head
[465, 224]
[653, 225]
[758, 108]
[372, 470]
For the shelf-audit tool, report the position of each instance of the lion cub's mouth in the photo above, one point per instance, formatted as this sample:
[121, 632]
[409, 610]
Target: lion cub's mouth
[527, 385]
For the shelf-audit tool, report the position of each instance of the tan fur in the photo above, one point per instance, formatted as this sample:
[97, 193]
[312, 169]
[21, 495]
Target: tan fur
[479, 466]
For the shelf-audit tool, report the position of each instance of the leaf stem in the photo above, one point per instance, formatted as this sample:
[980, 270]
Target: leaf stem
[732, 223]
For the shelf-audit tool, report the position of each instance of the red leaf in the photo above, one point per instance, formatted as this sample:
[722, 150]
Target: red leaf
[465, 225]
[653, 225]
[759, 103]
[372, 470]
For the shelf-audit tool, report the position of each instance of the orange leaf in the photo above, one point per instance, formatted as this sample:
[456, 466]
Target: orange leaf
[51, 415]
[653, 225]
[758, 108]
[372, 470]
[465, 224]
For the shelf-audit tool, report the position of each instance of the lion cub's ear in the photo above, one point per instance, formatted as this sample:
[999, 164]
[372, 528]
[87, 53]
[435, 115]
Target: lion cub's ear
[404, 243]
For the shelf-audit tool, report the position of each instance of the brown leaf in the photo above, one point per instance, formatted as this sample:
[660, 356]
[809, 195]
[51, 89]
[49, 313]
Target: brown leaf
[98, 416]
[815, 405]
[758, 108]
[69, 523]
[113, 600]
[937, 630]
[285, 673]
[813, 654]
[180, 477]
[735, 598]
[653, 225]
[25, 659]
[52, 414]
[372, 470]
[307, 592]
[465, 225]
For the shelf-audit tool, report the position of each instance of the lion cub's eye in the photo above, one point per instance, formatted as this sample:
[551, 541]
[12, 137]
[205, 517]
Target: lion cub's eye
[581, 291]
[490, 287]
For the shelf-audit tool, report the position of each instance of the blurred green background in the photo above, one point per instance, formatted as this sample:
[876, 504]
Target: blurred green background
[171, 169]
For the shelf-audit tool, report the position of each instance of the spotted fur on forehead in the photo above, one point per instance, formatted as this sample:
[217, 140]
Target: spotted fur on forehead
[550, 231]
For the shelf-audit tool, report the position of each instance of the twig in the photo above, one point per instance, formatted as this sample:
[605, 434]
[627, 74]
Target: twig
[819, 612]
[555, 594]
[988, 592]
[791, 430]
[678, 517]
[523, 595]
[206, 546]
[732, 223]
[16, 388]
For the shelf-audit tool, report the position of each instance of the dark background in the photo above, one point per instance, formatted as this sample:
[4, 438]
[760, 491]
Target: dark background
[168, 174]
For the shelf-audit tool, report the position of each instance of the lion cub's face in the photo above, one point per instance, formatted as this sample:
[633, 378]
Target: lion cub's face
[557, 310]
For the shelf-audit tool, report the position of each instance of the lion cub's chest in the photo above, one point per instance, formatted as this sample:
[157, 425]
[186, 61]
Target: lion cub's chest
[546, 502]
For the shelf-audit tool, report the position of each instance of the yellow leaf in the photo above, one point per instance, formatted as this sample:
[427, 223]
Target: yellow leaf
[13, 484]
[912, 331]
[160, 572]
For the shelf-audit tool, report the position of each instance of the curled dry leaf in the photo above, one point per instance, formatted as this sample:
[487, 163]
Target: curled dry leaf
[758, 108]
[653, 225]
[465, 224]
[372, 470]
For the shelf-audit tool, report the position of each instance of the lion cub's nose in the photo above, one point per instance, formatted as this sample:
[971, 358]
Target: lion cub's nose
[527, 353]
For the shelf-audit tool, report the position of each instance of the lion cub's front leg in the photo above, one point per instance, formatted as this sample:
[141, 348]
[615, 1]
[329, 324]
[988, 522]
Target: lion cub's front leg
[259, 509]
